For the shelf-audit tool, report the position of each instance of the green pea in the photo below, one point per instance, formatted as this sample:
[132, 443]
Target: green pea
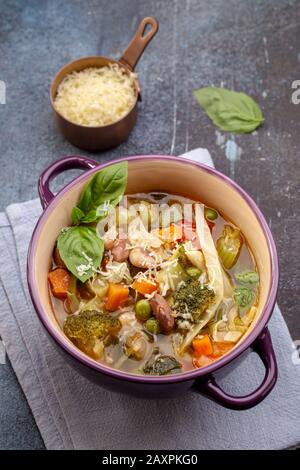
[143, 310]
[152, 325]
[210, 214]
[193, 272]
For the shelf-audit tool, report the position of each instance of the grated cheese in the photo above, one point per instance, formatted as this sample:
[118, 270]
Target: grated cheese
[116, 272]
[82, 269]
[96, 96]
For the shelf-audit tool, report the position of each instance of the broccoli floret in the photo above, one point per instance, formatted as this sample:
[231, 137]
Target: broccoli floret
[182, 258]
[192, 299]
[88, 328]
[90, 324]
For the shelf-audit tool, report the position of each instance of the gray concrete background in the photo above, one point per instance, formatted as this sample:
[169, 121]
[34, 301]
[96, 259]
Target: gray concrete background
[251, 46]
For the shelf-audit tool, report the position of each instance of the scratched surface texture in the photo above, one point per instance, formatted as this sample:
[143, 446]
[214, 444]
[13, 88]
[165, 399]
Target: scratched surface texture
[250, 46]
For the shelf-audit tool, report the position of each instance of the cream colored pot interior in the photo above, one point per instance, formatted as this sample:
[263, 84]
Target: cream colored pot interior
[176, 178]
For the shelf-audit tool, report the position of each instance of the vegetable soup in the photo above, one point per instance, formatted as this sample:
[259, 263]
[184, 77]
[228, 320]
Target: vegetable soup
[151, 283]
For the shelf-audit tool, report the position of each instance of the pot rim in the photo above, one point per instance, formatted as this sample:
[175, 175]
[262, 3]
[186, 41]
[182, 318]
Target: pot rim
[185, 376]
[109, 59]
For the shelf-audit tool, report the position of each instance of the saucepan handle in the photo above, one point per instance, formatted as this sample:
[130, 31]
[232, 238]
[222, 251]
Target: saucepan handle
[139, 42]
[264, 348]
[66, 163]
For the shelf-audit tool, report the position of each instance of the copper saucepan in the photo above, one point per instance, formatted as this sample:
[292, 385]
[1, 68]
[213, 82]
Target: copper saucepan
[103, 137]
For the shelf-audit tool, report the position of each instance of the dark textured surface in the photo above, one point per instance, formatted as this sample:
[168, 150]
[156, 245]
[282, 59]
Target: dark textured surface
[251, 46]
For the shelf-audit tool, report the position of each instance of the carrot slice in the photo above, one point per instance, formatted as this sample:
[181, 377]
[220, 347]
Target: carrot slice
[202, 346]
[60, 280]
[116, 296]
[202, 361]
[145, 286]
[221, 347]
[173, 232]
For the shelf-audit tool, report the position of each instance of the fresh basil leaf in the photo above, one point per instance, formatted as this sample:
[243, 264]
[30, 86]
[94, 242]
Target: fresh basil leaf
[247, 277]
[229, 110]
[106, 207]
[85, 198]
[100, 213]
[91, 216]
[105, 186]
[77, 215]
[243, 296]
[81, 250]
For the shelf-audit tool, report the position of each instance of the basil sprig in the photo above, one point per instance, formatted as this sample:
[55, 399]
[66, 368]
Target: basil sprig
[81, 250]
[229, 110]
[102, 193]
[79, 246]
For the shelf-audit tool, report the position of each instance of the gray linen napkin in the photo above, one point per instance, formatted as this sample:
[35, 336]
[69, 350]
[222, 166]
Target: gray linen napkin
[74, 413]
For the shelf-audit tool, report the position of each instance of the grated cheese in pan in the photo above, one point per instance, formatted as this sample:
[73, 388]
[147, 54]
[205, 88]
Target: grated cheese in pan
[96, 96]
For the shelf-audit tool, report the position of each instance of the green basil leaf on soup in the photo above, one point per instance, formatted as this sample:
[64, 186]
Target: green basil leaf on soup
[81, 250]
[85, 197]
[101, 212]
[243, 296]
[105, 188]
[104, 209]
[91, 216]
[247, 277]
[229, 110]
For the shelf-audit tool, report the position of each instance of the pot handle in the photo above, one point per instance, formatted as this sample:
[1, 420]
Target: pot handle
[264, 348]
[67, 163]
[136, 47]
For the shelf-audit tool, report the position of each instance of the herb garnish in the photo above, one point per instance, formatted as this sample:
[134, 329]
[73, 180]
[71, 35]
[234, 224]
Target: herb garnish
[79, 246]
[102, 193]
[229, 110]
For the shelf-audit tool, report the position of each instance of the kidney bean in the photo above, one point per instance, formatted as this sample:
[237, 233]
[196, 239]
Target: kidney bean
[163, 312]
[119, 251]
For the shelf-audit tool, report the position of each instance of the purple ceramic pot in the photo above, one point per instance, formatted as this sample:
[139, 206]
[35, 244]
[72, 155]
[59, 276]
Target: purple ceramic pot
[178, 176]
